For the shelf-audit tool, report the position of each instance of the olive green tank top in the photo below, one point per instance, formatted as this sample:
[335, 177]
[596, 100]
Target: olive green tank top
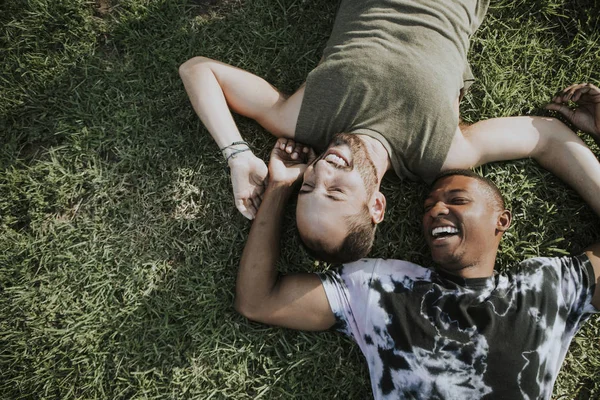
[392, 70]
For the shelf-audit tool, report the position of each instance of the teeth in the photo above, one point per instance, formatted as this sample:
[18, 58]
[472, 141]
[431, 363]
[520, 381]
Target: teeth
[336, 160]
[443, 229]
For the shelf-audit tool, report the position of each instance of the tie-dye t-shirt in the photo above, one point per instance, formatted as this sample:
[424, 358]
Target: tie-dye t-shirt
[431, 335]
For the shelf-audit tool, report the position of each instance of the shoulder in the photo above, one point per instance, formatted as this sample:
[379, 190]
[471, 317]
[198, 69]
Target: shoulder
[384, 271]
[571, 274]
[559, 265]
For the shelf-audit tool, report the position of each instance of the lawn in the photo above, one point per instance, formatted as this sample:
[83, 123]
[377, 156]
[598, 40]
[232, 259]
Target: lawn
[119, 241]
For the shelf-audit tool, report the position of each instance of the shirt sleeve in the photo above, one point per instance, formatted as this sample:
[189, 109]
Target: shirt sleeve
[578, 283]
[347, 290]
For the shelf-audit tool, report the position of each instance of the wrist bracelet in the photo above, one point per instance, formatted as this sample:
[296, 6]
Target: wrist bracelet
[239, 142]
[234, 153]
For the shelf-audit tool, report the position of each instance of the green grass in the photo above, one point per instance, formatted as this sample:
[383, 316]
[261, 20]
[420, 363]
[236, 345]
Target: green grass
[119, 242]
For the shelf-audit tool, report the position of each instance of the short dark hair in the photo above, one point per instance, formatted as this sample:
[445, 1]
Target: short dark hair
[356, 245]
[488, 184]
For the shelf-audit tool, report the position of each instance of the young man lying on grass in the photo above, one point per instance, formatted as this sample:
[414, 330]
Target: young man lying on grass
[385, 96]
[458, 331]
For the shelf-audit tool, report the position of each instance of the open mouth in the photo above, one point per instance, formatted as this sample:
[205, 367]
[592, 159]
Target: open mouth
[443, 232]
[336, 160]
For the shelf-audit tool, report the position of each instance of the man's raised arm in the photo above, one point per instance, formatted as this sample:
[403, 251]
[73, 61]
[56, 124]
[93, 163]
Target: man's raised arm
[547, 140]
[587, 118]
[213, 88]
[295, 301]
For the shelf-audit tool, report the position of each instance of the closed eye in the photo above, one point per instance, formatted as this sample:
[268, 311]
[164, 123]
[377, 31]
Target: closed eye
[335, 197]
[306, 189]
[460, 200]
[335, 194]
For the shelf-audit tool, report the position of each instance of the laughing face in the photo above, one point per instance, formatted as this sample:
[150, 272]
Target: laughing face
[339, 184]
[463, 224]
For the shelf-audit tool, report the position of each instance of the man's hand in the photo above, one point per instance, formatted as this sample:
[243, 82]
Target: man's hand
[289, 161]
[586, 116]
[248, 177]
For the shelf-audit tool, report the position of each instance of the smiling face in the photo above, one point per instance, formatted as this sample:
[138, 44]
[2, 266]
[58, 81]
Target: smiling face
[337, 188]
[463, 224]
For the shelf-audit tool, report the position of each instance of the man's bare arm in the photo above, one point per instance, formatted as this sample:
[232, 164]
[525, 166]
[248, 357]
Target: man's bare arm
[587, 118]
[294, 301]
[547, 140]
[214, 87]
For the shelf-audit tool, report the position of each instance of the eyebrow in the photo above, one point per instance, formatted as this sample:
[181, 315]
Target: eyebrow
[300, 193]
[459, 191]
[453, 191]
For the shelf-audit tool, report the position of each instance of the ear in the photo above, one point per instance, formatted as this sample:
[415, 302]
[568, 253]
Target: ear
[377, 207]
[504, 220]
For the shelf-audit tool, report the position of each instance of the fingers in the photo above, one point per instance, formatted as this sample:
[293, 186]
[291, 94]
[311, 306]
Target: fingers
[294, 149]
[574, 92]
[285, 144]
[310, 155]
[562, 109]
[582, 94]
[256, 198]
[290, 147]
[249, 206]
[252, 207]
[587, 93]
[583, 89]
[247, 210]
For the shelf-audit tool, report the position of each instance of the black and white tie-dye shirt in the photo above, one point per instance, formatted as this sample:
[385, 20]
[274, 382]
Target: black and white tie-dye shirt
[431, 335]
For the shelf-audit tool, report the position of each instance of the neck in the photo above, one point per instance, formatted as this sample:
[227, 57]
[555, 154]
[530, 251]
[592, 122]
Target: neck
[378, 154]
[470, 272]
[483, 268]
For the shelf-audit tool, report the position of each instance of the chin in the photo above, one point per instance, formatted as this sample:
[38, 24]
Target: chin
[447, 261]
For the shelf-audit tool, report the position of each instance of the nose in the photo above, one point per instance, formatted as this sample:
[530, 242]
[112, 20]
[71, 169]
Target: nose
[438, 209]
[322, 170]
[323, 164]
